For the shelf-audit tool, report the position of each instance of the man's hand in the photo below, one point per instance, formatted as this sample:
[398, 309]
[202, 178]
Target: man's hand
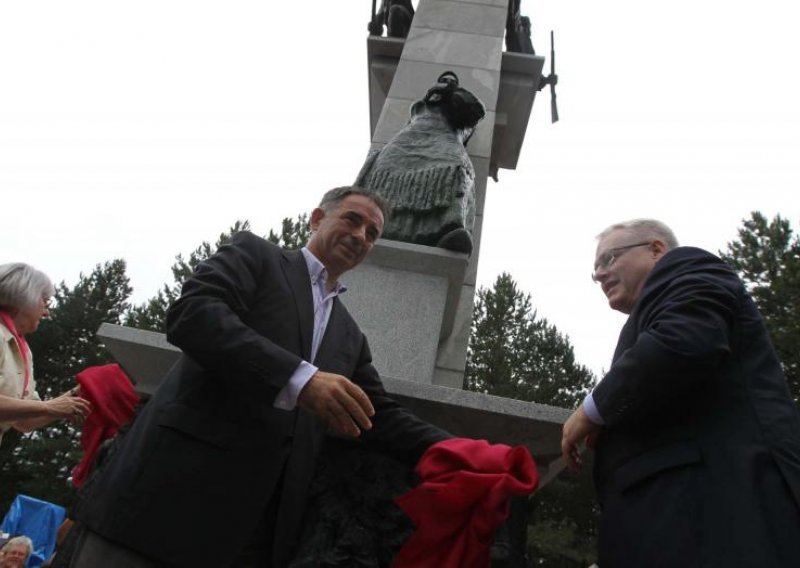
[577, 429]
[340, 403]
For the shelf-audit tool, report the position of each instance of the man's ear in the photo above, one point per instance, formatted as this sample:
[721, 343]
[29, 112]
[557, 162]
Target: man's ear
[659, 248]
[316, 216]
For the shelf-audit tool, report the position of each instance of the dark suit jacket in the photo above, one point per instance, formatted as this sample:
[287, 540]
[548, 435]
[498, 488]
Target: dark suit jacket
[699, 461]
[196, 471]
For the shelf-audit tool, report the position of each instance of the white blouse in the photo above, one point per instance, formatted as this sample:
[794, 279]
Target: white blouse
[12, 372]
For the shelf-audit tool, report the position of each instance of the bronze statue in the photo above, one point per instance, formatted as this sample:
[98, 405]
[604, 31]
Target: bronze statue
[396, 15]
[425, 171]
[518, 30]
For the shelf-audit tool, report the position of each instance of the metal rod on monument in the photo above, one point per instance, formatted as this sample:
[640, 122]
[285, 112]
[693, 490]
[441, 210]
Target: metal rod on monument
[554, 80]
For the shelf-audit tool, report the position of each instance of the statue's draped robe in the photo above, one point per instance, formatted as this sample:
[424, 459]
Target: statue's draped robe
[427, 176]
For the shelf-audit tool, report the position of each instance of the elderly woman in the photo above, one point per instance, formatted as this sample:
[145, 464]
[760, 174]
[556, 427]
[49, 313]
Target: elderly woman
[24, 298]
[15, 552]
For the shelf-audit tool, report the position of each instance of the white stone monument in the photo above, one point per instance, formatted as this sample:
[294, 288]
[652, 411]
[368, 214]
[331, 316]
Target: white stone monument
[415, 302]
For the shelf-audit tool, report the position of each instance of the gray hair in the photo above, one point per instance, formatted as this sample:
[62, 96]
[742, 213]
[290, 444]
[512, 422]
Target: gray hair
[21, 539]
[334, 197]
[23, 286]
[644, 229]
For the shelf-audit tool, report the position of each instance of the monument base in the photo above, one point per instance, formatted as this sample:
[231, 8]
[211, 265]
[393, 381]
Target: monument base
[401, 296]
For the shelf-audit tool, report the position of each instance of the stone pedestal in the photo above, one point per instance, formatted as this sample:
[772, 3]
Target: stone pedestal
[404, 297]
[465, 37]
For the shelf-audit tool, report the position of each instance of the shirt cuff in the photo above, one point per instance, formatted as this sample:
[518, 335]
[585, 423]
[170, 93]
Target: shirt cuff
[287, 397]
[590, 408]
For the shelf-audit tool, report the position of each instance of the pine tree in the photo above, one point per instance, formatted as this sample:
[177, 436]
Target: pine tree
[294, 234]
[515, 354]
[767, 257]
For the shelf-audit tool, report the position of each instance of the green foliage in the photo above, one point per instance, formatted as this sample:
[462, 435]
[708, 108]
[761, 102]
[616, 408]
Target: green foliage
[294, 234]
[514, 354]
[563, 526]
[64, 344]
[767, 257]
[152, 315]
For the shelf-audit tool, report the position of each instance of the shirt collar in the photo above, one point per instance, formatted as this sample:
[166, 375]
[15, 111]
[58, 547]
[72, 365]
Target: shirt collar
[5, 333]
[318, 272]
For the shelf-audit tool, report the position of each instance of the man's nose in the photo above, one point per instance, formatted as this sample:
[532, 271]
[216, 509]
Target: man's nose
[600, 273]
[360, 232]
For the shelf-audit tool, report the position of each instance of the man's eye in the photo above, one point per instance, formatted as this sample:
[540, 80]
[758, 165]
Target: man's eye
[605, 260]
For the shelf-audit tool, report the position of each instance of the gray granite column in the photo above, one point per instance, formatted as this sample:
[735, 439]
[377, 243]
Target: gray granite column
[465, 37]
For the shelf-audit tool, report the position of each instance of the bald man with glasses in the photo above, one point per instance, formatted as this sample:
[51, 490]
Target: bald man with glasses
[696, 437]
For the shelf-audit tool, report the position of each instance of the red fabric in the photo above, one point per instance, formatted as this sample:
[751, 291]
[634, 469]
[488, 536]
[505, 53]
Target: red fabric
[463, 497]
[113, 400]
[8, 321]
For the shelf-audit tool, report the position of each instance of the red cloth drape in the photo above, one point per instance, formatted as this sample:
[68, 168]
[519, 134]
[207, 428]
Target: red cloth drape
[113, 400]
[462, 498]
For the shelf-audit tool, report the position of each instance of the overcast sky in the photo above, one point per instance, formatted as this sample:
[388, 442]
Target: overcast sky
[137, 130]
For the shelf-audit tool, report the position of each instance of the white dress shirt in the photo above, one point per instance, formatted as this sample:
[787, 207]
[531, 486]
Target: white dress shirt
[323, 303]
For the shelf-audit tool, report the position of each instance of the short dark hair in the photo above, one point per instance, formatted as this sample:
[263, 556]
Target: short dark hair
[334, 197]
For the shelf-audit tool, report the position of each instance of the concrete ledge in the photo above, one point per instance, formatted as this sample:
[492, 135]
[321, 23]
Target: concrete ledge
[474, 405]
[146, 356]
[493, 418]
[520, 74]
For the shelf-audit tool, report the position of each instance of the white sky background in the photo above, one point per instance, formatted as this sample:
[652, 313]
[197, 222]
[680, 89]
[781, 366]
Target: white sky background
[137, 130]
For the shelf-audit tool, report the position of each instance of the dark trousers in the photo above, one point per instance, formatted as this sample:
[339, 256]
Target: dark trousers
[257, 553]
[94, 551]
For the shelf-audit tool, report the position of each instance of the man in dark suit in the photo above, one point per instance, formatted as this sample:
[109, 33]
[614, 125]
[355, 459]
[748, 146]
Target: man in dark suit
[216, 470]
[697, 439]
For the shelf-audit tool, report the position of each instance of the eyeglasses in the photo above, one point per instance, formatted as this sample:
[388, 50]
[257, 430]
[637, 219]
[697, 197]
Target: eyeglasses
[611, 255]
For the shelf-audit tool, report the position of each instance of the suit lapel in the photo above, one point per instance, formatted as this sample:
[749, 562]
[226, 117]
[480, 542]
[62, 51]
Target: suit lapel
[296, 272]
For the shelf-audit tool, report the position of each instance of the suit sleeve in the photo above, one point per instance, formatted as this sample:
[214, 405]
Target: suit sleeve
[681, 342]
[395, 429]
[207, 321]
